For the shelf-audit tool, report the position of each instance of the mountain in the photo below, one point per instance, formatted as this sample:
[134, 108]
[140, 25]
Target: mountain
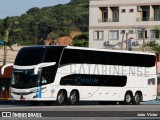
[36, 23]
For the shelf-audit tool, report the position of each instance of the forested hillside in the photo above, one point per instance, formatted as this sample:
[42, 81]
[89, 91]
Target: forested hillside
[36, 23]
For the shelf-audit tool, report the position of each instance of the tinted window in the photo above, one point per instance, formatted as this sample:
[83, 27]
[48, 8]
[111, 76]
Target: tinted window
[30, 56]
[94, 80]
[52, 55]
[74, 56]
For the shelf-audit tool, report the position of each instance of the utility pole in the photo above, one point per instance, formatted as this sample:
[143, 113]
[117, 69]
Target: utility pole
[126, 41]
[122, 40]
[143, 31]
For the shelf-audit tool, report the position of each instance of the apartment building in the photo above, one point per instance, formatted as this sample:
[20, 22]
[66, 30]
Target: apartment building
[122, 24]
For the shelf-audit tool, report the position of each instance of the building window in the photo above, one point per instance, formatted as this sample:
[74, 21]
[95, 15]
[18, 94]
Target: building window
[123, 10]
[113, 34]
[105, 16]
[98, 35]
[157, 13]
[115, 14]
[131, 10]
[130, 31]
[152, 34]
[122, 31]
[140, 34]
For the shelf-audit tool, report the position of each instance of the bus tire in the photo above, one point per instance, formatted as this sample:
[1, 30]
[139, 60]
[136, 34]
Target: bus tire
[34, 103]
[137, 98]
[61, 98]
[74, 98]
[127, 98]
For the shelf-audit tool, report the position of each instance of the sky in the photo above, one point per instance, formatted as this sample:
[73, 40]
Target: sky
[18, 7]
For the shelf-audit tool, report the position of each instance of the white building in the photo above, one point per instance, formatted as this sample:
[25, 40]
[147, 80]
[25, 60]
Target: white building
[112, 22]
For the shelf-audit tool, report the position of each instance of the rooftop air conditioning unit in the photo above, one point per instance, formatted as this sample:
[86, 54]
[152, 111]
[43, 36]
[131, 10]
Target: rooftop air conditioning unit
[139, 8]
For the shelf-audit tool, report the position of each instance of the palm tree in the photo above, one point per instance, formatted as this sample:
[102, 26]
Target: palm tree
[6, 43]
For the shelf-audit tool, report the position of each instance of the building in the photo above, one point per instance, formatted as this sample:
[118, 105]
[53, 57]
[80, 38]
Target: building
[5, 81]
[122, 24]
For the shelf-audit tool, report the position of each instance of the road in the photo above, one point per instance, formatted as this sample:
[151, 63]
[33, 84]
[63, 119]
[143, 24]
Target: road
[85, 110]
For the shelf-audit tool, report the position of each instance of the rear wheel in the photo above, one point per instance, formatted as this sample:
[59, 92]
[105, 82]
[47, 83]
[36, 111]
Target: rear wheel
[61, 98]
[136, 99]
[74, 98]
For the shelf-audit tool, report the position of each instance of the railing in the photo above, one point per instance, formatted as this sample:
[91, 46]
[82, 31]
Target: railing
[108, 20]
[137, 19]
[148, 19]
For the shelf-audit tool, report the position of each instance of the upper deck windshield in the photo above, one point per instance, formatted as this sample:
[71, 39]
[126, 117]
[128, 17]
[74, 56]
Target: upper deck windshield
[30, 56]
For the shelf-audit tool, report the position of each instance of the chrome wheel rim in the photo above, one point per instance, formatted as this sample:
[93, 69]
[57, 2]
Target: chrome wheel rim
[128, 98]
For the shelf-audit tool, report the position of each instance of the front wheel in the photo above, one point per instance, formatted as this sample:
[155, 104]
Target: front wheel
[136, 99]
[61, 98]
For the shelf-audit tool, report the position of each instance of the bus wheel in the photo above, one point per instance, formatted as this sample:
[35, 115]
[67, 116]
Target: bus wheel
[127, 99]
[74, 98]
[34, 103]
[61, 98]
[136, 99]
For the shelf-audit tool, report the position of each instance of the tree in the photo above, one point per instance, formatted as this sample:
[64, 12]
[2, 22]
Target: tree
[37, 23]
[52, 36]
[78, 1]
[81, 40]
[8, 26]
[155, 47]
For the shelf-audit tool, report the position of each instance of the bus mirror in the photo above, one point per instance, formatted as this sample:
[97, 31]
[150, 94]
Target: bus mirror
[41, 65]
[2, 69]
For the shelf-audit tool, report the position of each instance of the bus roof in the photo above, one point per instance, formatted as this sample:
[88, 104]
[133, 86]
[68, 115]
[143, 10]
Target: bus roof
[109, 50]
[92, 49]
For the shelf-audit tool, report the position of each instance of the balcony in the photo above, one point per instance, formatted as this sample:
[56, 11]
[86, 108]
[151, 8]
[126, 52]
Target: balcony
[148, 19]
[108, 20]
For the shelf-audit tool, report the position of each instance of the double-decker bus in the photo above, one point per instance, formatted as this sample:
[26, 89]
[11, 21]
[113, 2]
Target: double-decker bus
[72, 74]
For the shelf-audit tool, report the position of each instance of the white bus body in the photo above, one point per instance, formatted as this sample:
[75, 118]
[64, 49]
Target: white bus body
[83, 74]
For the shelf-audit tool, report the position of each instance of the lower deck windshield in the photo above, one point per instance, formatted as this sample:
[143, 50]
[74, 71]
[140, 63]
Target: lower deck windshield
[24, 79]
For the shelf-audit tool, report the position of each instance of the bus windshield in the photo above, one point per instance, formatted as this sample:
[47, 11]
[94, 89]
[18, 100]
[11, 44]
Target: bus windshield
[24, 79]
[30, 56]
